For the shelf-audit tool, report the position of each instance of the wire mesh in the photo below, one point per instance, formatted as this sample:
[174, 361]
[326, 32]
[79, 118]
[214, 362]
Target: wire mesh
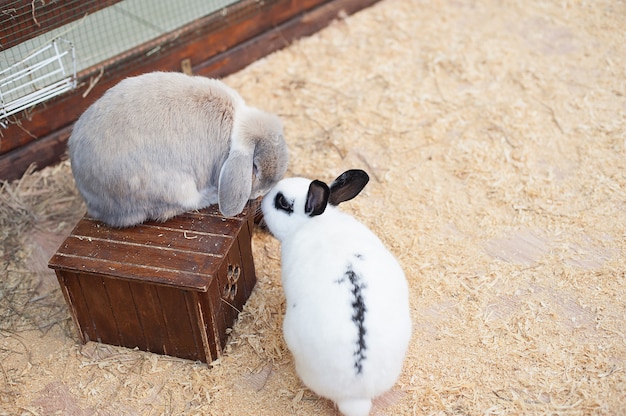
[46, 73]
[99, 31]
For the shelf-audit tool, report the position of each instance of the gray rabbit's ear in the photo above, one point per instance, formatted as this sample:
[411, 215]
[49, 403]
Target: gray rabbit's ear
[235, 183]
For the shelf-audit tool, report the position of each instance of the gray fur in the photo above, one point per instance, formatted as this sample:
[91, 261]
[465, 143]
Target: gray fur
[160, 144]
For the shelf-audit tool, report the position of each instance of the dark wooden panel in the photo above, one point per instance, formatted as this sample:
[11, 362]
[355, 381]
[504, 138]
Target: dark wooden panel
[77, 304]
[224, 308]
[181, 340]
[278, 37]
[205, 325]
[197, 331]
[125, 313]
[93, 290]
[200, 234]
[152, 264]
[197, 221]
[151, 318]
[42, 152]
[213, 311]
[247, 260]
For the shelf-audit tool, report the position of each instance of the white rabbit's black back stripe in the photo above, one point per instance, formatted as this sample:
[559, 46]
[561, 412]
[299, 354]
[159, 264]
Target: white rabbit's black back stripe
[358, 317]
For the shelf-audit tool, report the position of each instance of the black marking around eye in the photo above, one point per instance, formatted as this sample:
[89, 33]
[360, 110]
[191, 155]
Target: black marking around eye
[358, 316]
[283, 204]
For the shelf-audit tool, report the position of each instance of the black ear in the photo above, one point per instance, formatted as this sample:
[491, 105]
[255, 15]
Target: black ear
[347, 186]
[317, 198]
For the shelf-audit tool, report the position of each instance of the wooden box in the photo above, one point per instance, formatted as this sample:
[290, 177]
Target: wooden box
[166, 287]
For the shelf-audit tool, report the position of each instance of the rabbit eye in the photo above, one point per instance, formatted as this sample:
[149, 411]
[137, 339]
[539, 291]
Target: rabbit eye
[283, 204]
[255, 170]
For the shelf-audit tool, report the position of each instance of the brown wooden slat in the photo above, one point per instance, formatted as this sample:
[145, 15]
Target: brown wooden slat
[196, 221]
[247, 260]
[181, 340]
[203, 353]
[77, 304]
[224, 309]
[165, 277]
[200, 235]
[87, 324]
[196, 304]
[41, 152]
[153, 264]
[213, 311]
[125, 313]
[150, 316]
[240, 291]
[105, 328]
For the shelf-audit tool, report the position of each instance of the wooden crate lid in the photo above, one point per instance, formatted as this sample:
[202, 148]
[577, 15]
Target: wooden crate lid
[185, 251]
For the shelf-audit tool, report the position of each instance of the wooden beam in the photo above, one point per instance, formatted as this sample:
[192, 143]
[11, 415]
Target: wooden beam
[43, 152]
[278, 37]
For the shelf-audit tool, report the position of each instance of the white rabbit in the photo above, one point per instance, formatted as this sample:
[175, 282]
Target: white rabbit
[163, 143]
[347, 321]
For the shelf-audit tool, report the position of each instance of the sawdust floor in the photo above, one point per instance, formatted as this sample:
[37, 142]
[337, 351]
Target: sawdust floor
[494, 132]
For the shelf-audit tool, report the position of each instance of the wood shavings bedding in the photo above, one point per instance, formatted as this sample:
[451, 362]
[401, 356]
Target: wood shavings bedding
[494, 135]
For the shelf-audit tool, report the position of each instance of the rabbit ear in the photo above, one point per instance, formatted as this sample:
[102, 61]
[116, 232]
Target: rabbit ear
[347, 186]
[235, 183]
[317, 198]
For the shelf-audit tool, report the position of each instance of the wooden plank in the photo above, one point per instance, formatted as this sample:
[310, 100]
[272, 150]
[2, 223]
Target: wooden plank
[150, 316]
[225, 307]
[281, 23]
[197, 331]
[210, 307]
[201, 222]
[181, 341]
[201, 237]
[105, 327]
[77, 304]
[42, 152]
[204, 322]
[150, 264]
[125, 313]
[158, 276]
[278, 37]
[237, 294]
[247, 260]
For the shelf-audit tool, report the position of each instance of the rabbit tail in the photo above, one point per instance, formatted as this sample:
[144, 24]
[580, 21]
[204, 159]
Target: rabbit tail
[355, 407]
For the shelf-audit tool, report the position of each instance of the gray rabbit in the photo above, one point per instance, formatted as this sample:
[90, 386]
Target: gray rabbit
[162, 143]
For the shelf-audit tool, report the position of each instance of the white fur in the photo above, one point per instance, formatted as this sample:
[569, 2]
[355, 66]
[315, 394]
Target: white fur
[319, 329]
